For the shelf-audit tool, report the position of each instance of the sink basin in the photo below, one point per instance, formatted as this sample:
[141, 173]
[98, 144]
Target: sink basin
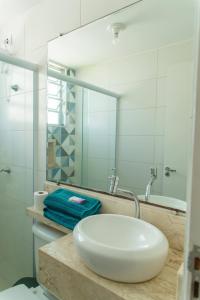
[121, 248]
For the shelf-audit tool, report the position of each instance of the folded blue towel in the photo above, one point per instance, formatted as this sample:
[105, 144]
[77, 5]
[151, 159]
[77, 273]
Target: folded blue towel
[59, 201]
[60, 218]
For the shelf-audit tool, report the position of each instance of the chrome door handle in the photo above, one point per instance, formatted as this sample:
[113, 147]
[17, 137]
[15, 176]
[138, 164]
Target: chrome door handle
[168, 171]
[8, 171]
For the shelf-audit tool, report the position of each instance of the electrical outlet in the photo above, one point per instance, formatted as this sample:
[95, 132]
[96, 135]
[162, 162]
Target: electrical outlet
[7, 40]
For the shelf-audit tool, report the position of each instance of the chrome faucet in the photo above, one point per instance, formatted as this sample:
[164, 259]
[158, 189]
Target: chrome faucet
[114, 181]
[132, 197]
[150, 183]
[115, 190]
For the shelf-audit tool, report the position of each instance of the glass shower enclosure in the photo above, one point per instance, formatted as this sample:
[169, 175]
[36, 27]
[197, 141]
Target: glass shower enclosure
[81, 132]
[18, 93]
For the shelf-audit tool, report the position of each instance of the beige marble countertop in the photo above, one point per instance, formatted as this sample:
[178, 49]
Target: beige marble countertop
[66, 276]
[38, 215]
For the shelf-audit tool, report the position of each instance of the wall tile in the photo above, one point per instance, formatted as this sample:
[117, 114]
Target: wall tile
[50, 18]
[38, 56]
[161, 91]
[130, 122]
[134, 174]
[160, 121]
[173, 54]
[136, 148]
[42, 150]
[141, 94]
[159, 149]
[134, 67]
[42, 110]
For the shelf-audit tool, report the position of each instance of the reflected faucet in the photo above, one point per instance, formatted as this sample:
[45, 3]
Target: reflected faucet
[114, 181]
[115, 190]
[150, 183]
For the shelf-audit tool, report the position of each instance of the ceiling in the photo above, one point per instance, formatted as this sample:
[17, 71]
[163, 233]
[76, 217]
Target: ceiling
[149, 24]
[12, 8]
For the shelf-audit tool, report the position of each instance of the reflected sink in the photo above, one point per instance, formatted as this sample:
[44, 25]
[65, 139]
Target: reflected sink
[121, 248]
[166, 201]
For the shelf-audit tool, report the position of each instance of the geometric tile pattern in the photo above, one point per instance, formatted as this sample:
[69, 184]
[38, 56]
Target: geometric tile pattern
[64, 135]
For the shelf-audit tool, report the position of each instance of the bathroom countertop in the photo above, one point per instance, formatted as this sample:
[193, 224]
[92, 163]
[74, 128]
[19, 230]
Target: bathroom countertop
[66, 276]
[38, 215]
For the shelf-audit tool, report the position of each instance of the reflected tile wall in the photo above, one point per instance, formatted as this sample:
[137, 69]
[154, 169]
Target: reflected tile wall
[141, 79]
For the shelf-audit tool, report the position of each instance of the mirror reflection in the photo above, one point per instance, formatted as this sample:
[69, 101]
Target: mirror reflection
[120, 103]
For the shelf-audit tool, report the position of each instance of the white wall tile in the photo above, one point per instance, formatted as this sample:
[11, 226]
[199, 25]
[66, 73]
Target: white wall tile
[141, 94]
[161, 91]
[132, 68]
[159, 149]
[29, 111]
[41, 150]
[38, 56]
[42, 110]
[133, 174]
[160, 121]
[50, 18]
[137, 122]
[41, 178]
[173, 54]
[136, 148]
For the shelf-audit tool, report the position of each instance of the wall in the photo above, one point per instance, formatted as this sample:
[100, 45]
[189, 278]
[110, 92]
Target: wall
[150, 95]
[31, 33]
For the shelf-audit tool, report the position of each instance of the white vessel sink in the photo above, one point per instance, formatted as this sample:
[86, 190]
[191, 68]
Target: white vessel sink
[121, 248]
[166, 201]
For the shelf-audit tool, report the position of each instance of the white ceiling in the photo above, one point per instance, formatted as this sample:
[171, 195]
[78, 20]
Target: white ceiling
[149, 24]
[12, 8]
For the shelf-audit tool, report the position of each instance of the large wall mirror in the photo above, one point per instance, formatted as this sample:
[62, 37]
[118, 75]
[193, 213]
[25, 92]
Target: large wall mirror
[120, 101]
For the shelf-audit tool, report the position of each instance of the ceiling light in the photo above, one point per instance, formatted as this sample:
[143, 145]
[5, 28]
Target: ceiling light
[115, 29]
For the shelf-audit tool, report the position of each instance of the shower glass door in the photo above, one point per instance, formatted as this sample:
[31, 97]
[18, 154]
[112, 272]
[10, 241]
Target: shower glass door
[16, 172]
[81, 131]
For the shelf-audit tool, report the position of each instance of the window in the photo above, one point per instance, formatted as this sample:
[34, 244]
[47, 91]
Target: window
[56, 96]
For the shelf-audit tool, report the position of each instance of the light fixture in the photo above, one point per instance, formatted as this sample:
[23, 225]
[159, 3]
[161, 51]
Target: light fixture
[115, 29]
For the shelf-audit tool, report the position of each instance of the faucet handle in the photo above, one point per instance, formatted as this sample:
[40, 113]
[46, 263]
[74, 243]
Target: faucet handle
[154, 172]
[116, 183]
[168, 171]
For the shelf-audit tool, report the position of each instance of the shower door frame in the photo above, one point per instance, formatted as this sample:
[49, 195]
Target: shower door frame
[21, 63]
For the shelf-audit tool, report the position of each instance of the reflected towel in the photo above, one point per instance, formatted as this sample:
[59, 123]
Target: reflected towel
[60, 218]
[60, 201]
